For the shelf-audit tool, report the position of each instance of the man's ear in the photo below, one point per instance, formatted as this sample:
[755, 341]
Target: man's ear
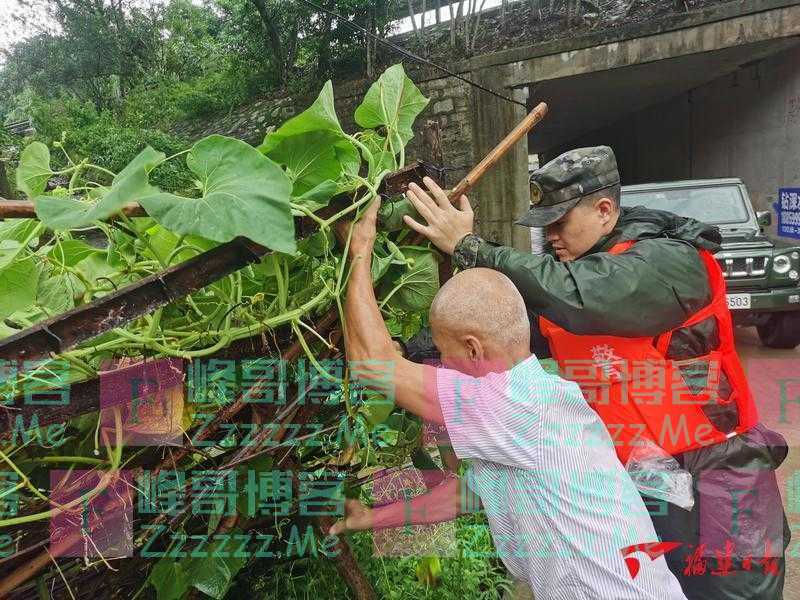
[474, 348]
[606, 208]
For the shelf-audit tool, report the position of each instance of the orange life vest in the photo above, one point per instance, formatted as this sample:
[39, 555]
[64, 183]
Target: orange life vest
[640, 394]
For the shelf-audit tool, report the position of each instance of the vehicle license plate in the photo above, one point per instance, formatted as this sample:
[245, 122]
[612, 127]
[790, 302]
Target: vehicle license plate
[738, 301]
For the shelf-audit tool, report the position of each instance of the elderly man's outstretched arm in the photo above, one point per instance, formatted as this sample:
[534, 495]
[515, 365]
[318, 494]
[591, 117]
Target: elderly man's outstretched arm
[369, 346]
[367, 342]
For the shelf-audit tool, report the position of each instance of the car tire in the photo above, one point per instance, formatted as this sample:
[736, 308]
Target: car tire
[782, 330]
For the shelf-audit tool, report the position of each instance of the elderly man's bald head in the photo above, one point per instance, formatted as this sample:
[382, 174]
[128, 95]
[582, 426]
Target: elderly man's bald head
[485, 304]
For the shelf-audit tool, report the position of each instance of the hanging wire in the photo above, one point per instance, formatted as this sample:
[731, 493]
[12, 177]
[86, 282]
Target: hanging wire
[410, 55]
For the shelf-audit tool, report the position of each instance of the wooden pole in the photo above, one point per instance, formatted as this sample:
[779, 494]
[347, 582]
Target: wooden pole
[491, 159]
[24, 209]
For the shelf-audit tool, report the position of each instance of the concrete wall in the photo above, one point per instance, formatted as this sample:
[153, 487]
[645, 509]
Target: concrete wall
[748, 126]
[742, 125]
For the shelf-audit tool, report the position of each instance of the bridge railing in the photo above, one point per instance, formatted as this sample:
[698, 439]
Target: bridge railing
[21, 127]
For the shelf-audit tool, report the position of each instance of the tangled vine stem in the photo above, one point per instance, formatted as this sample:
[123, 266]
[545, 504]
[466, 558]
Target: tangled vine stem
[115, 458]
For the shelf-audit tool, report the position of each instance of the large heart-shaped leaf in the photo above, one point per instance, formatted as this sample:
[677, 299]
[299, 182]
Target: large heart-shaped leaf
[244, 194]
[376, 408]
[317, 197]
[56, 293]
[211, 574]
[9, 250]
[316, 244]
[385, 254]
[18, 281]
[14, 234]
[71, 252]
[161, 241]
[34, 169]
[94, 266]
[420, 282]
[320, 116]
[169, 579]
[312, 146]
[17, 229]
[392, 102]
[68, 213]
[314, 157]
[390, 214]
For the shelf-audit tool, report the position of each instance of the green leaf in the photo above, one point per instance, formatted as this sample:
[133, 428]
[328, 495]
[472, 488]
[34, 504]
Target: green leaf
[169, 579]
[210, 574]
[393, 102]
[382, 157]
[163, 242]
[429, 571]
[9, 249]
[17, 229]
[68, 213]
[147, 159]
[420, 282]
[387, 437]
[385, 254]
[18, 281]
[379, 266]
[56, 294]
[320, 116]
[71, 252]
[94, 266]
[34, 170]
[404, 325]
[261, 463]
[316, 244]
[313, 146]
[121, 251]
[390, 214]
[318, 197]
[312, 158]
[244, 194]
[13, 235]
[376, 408]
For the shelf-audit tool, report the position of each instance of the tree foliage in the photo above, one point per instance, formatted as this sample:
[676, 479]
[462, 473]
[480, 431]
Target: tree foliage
[255, 46]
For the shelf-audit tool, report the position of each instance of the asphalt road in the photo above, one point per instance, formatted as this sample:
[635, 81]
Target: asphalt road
[774, 376]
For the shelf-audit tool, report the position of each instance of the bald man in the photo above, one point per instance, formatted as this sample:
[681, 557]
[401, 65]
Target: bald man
[558, 521]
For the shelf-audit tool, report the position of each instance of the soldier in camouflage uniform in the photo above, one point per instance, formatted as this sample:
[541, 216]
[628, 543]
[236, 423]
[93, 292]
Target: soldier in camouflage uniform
[651, 288]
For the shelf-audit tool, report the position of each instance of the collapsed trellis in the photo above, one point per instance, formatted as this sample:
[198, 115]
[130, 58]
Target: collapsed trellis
[62, 332]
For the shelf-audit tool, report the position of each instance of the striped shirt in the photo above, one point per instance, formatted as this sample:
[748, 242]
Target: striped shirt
[560, 505]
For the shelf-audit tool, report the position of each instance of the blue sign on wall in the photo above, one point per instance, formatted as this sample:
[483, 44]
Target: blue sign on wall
[788, 209]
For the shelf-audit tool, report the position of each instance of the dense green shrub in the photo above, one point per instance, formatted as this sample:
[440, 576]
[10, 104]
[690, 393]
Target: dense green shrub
[65, 113]
[108, 137]
[164, 103]
[9, 152]
[7, 140]
[113, 146]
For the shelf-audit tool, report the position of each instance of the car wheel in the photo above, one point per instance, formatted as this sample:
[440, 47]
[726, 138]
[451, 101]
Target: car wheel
[782, 330]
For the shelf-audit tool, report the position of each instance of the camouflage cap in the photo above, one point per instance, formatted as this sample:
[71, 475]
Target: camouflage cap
[560, 184]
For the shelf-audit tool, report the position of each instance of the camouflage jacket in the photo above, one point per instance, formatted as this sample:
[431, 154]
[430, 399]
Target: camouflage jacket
[651, 288]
